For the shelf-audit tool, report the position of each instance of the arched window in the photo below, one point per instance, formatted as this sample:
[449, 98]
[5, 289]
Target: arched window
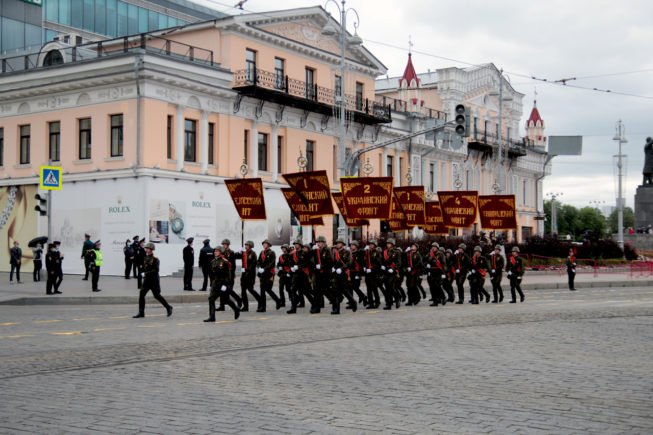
[53, 57]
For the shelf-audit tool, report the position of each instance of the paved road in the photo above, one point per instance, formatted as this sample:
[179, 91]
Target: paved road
[561, 362]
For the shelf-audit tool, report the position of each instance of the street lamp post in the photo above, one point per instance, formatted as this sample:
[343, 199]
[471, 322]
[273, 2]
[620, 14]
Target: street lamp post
[620, 137]
[554, 214]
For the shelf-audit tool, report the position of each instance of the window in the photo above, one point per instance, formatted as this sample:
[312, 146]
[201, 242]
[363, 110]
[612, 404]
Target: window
[246, 146]
[211, 143]
[24, 144]
[116, 136]
[432, 177]
[388, 167]
[2, 146]
[262, 152]
[310, 155]
[508, 134]
[524, 199]
[250, 65]
[485, 128]
[359, 96]
[280, 154]
[279, 73]
[84, 138]
[169, 137]
[401, 168]
[310, 83]
[54, 141]
[190, 134]
[475, 127]
[338, 86]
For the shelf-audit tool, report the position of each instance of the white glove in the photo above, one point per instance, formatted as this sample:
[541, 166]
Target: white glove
[519, 278]
[223, 288]
[294, 268]
[316, 247]
[368, 270]
[318, 266]
[509, 273]
[333, 269]
[367, 248]
[457, 270]
[573, 270]
[472, 271]
[408, 269]
[241, 249]
[408, 249]
[493, 271]
[261, 270]
[443, 276]
[428, 266]
[382, 267]
[356, 277]
[338, 271]
[390, 271]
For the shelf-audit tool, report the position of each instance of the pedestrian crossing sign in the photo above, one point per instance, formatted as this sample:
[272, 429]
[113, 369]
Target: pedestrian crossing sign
[50, 178]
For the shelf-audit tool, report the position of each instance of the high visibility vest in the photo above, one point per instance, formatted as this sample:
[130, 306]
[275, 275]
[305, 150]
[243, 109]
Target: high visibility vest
[98, 257]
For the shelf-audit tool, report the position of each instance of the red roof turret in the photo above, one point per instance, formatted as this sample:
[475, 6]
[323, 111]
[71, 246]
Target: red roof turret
[409, 73]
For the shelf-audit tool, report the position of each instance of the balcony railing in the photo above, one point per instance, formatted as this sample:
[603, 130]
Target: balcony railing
[484, 141]
[402, 106]
[327, 99]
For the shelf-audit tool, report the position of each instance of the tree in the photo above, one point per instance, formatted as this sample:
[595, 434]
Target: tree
[574, 221]
[629, 219]
[592, 220]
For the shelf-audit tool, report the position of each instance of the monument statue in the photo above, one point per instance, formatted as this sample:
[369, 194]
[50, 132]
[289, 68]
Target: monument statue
[648, 163]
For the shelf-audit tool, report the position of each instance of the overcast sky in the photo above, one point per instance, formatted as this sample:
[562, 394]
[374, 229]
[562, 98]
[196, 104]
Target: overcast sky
[552, 40]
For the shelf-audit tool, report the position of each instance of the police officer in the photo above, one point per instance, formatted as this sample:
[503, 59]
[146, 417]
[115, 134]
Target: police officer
[230, 256]
[248, 275]
[323, 264]
[372, 273]
[283, 266]
[340, 278]
[204, 261]
[86, 247]
[357, 270]
[461, 264]
[515, 272]
[435, 274]
[496, 273]
[151, 282]
[390, 265]
[189, 262]
[265, 264]
[477, 272]
[221, 273]
[95, 256]
[571, 269]
[413, 269]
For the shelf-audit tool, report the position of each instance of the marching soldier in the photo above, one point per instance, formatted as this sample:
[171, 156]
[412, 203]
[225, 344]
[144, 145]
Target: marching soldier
[357, 268]
[189, 262]
[390, 263]
[450, 275]
[139, 261]
[248, 275]
[413, 274]
[515, 269]
[461, 264]
[151, 282]
[266, 262]
[372, 272]
[340, 278]
[301, 276]
[230, 256]
[285, 279]
[496, 273]
[86, 247]
[95, 256]
[436, 268]
[204, 260]
[323, 265]
[571, 269]
[477, 272]
[221, 273]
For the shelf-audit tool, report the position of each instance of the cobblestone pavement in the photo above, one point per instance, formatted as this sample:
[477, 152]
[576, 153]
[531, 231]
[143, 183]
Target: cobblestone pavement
[561, 362]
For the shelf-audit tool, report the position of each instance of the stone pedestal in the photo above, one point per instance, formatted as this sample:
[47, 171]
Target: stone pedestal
[644, 206]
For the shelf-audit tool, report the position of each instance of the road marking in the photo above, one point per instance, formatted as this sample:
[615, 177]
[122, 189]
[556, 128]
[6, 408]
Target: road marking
[48, 321]
[67, 333]
[8, 323]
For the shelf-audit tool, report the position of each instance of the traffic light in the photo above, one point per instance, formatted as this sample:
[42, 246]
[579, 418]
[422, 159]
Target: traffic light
[42, 206]
[462, 120]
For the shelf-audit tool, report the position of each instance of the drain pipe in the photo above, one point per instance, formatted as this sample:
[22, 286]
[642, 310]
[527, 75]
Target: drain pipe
[138, 64]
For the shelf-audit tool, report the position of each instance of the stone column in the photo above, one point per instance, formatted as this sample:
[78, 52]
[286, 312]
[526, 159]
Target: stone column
[179, 138]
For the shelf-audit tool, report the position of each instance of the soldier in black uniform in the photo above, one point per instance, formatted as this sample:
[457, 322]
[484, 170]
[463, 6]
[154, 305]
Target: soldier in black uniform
[283, 267]
[435, 265]
[413, 271]
[59, 266]
[515, 269]
[221, 273]
[135, 247]
[372, 272]
[300, 269]
[189, 262]
[477, 272]
[139, 261]
[265, 264]
[340, 278]
[496, 273]
[151, 282]
[571, 269]
[390, 264]
[248, 275]
[87, 246]
[204, 261]
[357, 270]
[461, 263]
[450, 275]
[230, 256]
[51, 258]
[323, 264]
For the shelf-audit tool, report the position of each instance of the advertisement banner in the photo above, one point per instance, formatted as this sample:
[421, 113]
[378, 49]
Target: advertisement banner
[367, 197]
[397, 221]
[411, 199]
[458, 208]
[497, 212]
[299, 208]
[434, 220]
[247, 195]
[337, 197]
[313, 190]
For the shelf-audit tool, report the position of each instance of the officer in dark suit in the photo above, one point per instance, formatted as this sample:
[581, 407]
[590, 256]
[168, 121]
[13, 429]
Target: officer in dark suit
[205, 259]
[496, 273]
[189, 262]
[515, 269]
[221, 274]
[151, 281]
[51, 259]
[248, 274]
[265, 264]
[135, 248]
[86, 247]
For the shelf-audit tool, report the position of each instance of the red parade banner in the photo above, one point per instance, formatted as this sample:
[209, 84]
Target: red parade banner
[247, 195]
[367, 197]
[337, 197]
[411, 199]
[498, 212]
[458, 208]
[298, 208]
[434, 220]
[397, 221]
[313, 189]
